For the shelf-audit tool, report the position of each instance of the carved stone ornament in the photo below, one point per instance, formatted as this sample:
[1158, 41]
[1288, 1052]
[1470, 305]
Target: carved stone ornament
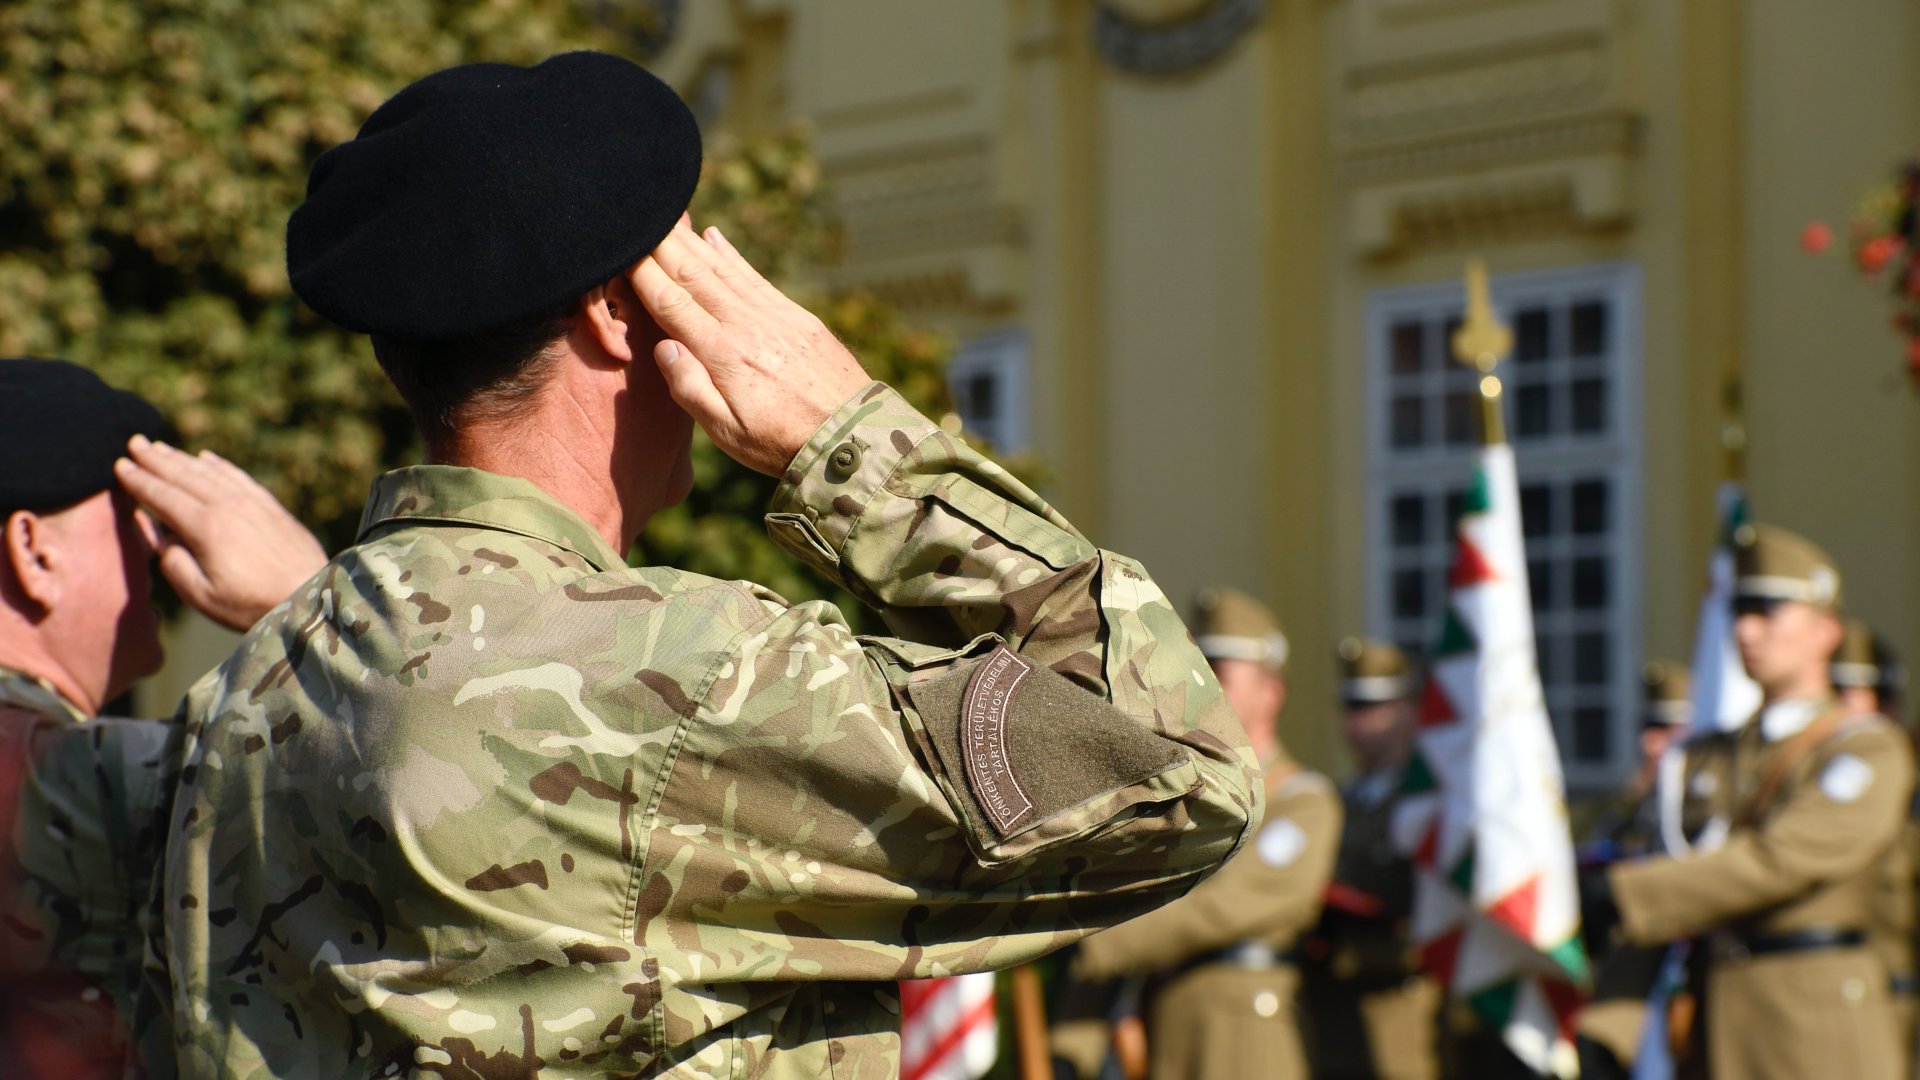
[1170, 37]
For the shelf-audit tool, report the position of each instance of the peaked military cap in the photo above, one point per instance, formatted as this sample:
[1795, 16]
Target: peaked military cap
[1771, 563]
[1231, 625]
[1865, 660]
[61, 428]
[1669, 694]
[1372, 672]
[488, 193]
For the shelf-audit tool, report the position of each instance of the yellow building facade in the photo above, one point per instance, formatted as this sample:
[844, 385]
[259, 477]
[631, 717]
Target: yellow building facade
[1202, 256]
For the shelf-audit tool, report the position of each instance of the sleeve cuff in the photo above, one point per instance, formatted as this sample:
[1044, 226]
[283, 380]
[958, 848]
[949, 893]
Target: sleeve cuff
[829, 483]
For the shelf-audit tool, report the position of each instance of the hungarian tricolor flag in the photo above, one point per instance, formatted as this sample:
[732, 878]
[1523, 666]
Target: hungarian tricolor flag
[947, 1028]
[1496, 906]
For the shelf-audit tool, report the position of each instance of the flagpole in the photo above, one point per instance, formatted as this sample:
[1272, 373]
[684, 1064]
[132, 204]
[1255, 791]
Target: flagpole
[1481, 342]
[1030, 1024]
[1733, 429]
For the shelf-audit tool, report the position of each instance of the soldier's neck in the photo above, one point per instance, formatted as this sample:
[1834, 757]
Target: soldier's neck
[28, 656]
[1808, 686]
[564, 447]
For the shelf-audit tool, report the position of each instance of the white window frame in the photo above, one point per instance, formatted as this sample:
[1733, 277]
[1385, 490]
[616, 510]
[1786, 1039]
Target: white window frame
[1563, 456]
[1003, 356]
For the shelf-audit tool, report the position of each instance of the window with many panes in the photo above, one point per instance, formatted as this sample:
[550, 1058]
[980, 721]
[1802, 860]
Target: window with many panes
[988, 377]
[1572, 401]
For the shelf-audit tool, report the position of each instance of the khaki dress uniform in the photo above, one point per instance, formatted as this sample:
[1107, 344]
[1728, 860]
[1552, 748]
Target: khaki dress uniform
[1866, 662]
[1222, 1003]
[1219, 965]
[1368, 1010]
[1817, 799]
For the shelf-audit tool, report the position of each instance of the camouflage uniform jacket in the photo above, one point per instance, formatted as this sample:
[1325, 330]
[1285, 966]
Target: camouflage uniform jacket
[78, 818]
[480, 800]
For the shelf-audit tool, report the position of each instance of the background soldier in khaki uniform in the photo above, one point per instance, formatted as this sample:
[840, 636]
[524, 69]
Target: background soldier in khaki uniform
[1220, 961]
[1368, 1010]
[1819, 795]
[1629, 827]
[1870, 678]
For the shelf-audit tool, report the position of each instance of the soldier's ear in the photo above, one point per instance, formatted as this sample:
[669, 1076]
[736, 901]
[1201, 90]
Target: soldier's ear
[606, 322]
[32, 561]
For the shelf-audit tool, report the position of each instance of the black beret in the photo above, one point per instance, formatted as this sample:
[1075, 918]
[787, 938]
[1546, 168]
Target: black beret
[60, 430]
[487, 193]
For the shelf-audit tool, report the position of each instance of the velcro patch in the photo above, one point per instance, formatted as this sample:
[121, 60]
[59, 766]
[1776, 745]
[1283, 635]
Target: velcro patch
[983, 738]
[1019, 743]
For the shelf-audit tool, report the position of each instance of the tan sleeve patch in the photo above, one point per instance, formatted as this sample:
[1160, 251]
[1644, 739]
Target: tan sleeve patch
[1021, 743]
[983, 742]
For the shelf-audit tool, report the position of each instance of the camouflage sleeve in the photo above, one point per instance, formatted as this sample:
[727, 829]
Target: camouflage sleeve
[1271, 891]
[1834, 822]
[1043, 751]
[82, 806]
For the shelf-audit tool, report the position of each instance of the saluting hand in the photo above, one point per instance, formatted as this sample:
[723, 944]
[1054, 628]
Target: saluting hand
[227, 545]
[757, 371]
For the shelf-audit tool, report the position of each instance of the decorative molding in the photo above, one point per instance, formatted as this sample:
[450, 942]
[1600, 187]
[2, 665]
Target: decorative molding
[1588, 194]
[1595, 133]
[1395, 103]
[919, 220]
[1184, 38]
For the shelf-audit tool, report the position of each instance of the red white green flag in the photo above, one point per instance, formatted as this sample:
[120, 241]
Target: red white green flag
[1496, 905]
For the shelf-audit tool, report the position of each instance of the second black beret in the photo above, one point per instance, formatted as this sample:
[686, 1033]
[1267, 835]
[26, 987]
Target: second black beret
[486, 193]
[61, 428]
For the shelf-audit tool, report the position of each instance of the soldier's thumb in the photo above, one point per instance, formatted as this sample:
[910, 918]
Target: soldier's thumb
[693, 390]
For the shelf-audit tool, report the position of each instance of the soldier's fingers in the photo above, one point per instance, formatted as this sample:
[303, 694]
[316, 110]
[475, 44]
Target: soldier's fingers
[676, 310]
[236, 480]
[696, 267]
[175, 466]
[692, 388]
[183, 570]
[172, 504]
[752, 283]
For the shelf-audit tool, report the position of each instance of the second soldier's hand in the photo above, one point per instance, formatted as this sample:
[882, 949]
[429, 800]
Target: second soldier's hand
[228, 547]
[757, 371]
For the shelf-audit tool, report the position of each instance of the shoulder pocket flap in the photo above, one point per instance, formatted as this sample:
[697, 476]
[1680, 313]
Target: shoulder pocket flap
[1020, 744]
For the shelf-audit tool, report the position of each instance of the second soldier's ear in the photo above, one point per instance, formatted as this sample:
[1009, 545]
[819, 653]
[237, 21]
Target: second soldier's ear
[606, 322]
[31, 562]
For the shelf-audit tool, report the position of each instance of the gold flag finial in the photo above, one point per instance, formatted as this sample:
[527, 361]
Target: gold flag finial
[1481, 342]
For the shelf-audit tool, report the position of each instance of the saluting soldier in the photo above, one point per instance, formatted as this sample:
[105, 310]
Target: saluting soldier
[1220, 961]
[1369, 1010]
[1870, 680]
[1819, 795]
[1610, 1025]
[483, 800]
[80, 792]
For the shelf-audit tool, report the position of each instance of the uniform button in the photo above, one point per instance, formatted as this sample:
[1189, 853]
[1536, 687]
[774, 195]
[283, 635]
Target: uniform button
[1853, 991]
[1266, 1003]
[843, 463]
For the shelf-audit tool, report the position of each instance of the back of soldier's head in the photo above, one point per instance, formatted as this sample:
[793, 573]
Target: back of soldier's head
[475, 208]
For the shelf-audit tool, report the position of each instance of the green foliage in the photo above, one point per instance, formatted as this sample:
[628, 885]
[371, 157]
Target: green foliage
[154, 150]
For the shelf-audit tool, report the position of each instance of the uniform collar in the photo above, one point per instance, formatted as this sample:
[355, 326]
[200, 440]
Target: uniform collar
[451, 494]
[36, 695]
[1371, 789]
[1785, 719]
